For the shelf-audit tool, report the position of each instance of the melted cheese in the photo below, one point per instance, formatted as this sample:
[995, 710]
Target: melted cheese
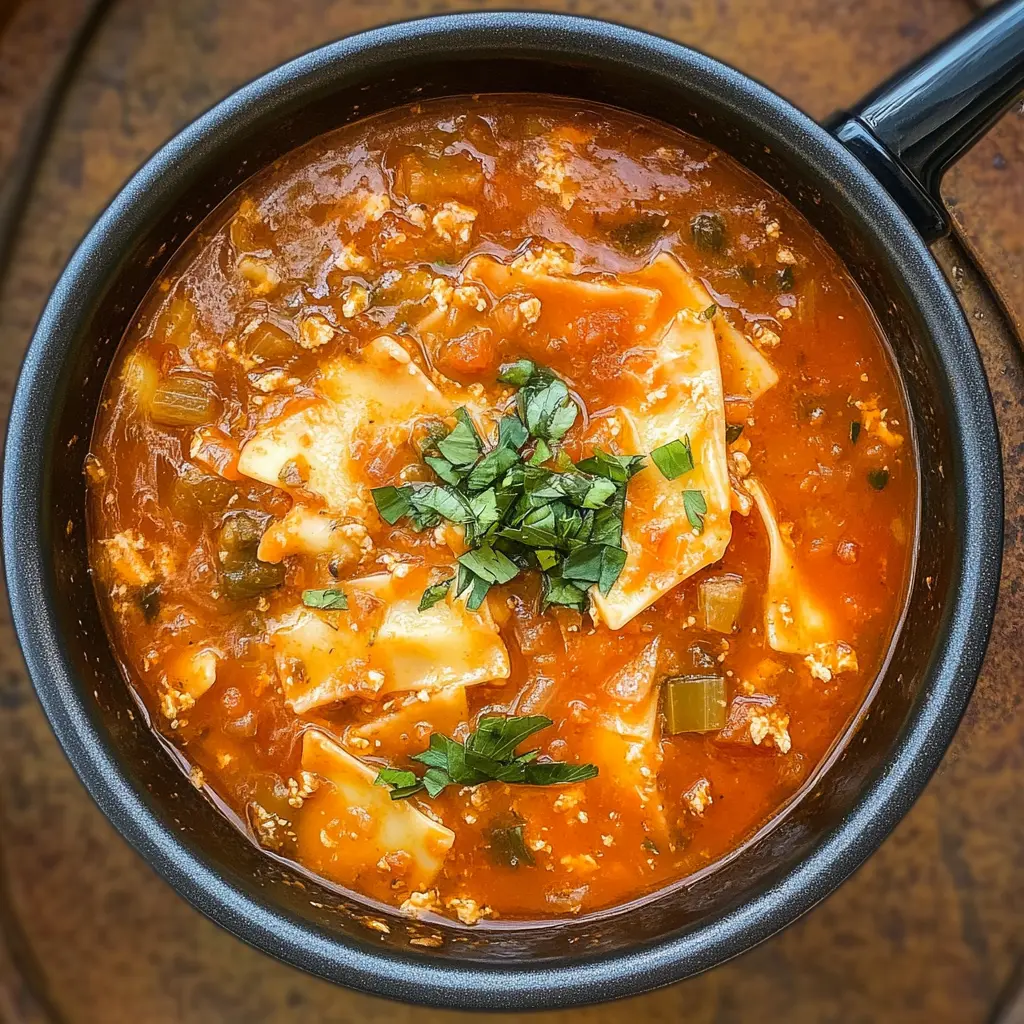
[360, 400]
[794, 621]
[383, 644]
[353, 833]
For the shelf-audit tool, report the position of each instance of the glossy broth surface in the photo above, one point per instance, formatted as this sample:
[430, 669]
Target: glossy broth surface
[469, 233]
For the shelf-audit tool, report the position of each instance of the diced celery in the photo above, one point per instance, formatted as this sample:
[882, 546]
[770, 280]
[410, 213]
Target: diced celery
[720, 600]
[203, 491]
[429, 179]
[183, 402]
[694, 704]
[270, 344]
[250, 578]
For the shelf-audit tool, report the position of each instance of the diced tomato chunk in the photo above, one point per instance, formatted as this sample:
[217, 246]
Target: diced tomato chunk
[473, 354]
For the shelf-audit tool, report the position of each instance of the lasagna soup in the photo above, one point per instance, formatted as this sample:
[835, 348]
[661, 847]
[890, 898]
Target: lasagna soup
[504, 505]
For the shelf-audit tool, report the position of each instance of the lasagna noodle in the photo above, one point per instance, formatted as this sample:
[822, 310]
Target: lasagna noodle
[794, 622]
[682, 398]
[680, 394]
[383, 644]
[354, 833]
[321, 437]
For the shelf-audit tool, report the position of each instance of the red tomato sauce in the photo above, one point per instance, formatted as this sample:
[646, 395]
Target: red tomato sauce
[367, 232]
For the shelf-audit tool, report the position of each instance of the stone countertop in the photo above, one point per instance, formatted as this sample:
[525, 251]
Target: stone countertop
[930, 928]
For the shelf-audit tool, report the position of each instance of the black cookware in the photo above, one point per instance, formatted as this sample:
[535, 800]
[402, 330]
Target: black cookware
[870, 187]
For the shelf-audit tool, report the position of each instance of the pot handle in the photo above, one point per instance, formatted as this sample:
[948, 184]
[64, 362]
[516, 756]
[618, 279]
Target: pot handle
[912, 127]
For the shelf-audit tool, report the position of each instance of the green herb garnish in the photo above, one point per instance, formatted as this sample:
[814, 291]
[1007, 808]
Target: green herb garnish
[398, 778]
[488, 755]
[489, 564]
[434, 593]
[732, 432]
[392, 503]
[541, 454]
[508, 845]
[444, 469]
[696, 508]
[462, 446]
[328, 600]
[709, 313]
[555, 590]
[545, 406]
[854, 431]
[594, 564]
[878, 478]
[617, 468]
[523, 504]
[674, 459]
[517, 373]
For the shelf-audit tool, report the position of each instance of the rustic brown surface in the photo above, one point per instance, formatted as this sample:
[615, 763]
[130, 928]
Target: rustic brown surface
[34, 43]
[927, 931]
[985, 194]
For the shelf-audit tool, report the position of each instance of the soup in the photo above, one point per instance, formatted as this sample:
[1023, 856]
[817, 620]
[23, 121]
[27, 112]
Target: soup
[504, 506]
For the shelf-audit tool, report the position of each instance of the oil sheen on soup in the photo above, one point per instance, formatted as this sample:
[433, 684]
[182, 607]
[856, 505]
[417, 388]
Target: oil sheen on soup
[504, 505]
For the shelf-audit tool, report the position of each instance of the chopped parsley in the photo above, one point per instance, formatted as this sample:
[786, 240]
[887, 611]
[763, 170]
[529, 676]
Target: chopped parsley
[462, 446]
[854, 431]
[696, 508]
[521, 501]
[545, 405]
[674, 459]
[434, 593]
[508, 845]
[488, 755]
[517, 373]
[878, 478]
[392, 503]
[329, 600]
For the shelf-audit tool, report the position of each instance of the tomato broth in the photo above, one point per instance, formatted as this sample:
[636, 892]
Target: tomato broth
[706, 500]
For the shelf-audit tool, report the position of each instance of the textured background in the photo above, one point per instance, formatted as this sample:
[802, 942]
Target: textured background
[931, 929]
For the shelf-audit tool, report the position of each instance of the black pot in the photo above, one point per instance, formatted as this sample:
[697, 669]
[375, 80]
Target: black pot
[906, 133]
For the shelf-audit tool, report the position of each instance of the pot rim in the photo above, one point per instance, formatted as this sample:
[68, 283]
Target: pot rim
[421, 978]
